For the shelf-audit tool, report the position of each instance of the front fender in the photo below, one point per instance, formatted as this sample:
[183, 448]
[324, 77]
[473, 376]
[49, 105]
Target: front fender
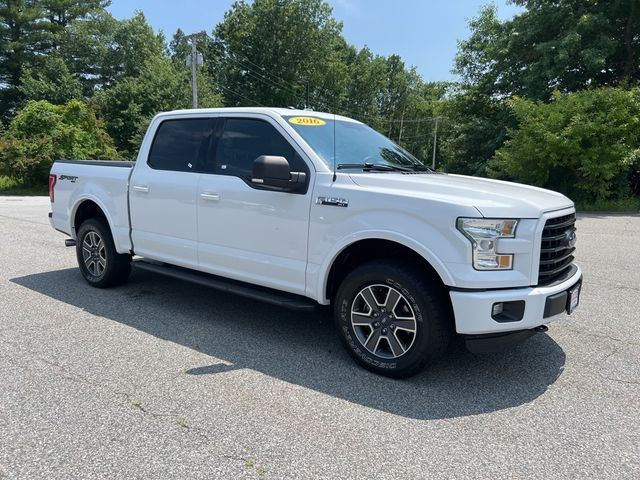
[374, 234]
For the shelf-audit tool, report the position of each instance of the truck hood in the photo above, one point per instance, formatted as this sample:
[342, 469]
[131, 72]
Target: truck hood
[492, 198]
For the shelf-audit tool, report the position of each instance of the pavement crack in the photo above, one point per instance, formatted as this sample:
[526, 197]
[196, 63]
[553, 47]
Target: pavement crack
[619, 380]
[600, 335]
[130, 399]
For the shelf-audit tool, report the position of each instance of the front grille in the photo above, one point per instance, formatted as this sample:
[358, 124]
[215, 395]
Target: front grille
[556, 253]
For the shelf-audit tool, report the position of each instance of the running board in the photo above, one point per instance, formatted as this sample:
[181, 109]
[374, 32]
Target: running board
[267, 295]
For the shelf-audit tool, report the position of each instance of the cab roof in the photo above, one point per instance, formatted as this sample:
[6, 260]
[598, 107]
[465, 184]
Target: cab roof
[283, 112]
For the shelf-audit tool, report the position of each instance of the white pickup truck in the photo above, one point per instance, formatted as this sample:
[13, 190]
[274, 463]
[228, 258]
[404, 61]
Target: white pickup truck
[302, 209]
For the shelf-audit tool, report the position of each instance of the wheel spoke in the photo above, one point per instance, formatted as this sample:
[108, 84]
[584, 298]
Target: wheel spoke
[393, 297]
[369, 298]
[361, 319]
[372, 341]
[408, 325]
[396, 347]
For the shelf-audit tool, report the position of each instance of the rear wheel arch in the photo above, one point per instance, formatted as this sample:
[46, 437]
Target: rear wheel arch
[87, 209]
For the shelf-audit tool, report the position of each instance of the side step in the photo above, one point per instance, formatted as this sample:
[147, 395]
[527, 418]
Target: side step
[267, 295]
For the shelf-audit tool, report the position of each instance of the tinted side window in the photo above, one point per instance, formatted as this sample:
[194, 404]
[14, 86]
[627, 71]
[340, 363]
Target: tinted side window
[244, 140]
[180, 144]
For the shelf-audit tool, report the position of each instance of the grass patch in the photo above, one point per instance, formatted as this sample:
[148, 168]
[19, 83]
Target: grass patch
[250, 463]
[182, 422]
[621, 205]
[12, 186]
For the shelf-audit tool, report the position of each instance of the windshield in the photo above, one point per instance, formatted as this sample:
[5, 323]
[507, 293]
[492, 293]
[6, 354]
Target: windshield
[357, 146]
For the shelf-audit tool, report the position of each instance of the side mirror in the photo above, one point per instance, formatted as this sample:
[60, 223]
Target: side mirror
[272, 171]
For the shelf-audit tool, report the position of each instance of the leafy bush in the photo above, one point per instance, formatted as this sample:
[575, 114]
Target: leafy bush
[584, 144]
[41, 133]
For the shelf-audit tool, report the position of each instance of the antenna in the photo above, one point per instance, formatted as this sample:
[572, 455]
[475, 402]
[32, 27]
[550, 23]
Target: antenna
[334, 146]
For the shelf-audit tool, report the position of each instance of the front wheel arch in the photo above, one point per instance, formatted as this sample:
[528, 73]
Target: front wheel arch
[366, 250]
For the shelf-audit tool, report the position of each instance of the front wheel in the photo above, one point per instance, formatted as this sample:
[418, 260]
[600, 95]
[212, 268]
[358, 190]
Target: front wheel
[100, 264]
[392, 319]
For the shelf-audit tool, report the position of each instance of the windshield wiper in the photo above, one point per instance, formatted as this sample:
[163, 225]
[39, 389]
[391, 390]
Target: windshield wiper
[373, 167]
[422, 168]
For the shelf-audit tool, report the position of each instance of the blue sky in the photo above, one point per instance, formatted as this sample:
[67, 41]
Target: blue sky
[423, 32]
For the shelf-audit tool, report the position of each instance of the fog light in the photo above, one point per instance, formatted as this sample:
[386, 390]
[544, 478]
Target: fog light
[504, 312]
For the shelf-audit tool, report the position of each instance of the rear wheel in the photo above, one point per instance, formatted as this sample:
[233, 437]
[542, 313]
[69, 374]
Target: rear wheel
[100, 264]
[392, 318]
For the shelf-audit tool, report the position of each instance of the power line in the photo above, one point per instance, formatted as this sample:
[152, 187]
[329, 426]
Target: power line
[241, 95]
[225, 47]
[267, 78]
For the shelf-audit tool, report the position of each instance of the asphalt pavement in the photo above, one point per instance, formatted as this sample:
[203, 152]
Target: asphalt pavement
[164, 379]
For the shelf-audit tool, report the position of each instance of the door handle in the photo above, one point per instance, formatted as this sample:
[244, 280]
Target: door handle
[212, 197]
[141, 188]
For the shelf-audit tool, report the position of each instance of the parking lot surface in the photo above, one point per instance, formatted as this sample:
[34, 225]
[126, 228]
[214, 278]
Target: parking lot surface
[165, 379]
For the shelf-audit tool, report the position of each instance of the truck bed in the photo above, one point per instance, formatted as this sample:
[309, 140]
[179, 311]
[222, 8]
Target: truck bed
[104, 182]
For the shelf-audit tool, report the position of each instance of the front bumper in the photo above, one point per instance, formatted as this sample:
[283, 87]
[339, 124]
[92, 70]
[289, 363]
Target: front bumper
[472, 309]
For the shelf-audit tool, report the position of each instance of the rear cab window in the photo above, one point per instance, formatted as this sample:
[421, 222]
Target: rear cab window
[181, 145]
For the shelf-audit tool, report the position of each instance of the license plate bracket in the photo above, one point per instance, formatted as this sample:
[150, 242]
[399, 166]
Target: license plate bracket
[573, 297]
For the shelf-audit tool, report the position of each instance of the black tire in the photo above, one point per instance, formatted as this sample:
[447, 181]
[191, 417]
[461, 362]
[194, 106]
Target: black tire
[421, 298]
[104, 267]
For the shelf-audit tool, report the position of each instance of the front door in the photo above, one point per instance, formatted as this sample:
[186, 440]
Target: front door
[246, 231]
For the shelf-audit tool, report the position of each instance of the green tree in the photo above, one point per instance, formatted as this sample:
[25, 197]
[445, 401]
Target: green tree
[270, 51]
[52, 82]
[475, 126]
[583, 144]
[128, 106]
[180, 48]
[30, 31]
[366, 79]
[102, 50]
[565, 45]
[42, 132]
[62, 12]
[21, 37]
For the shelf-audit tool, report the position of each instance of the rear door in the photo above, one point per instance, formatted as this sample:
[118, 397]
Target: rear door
[246, 231]
[163, 192]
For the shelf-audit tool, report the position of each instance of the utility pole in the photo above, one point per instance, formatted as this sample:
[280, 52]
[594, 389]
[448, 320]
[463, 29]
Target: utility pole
[435, 141]
[194, 60]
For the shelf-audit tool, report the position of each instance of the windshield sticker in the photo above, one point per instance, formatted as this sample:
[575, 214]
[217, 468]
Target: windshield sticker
[307, 121]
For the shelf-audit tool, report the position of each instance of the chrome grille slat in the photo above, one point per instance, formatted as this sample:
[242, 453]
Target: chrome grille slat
[556, 257]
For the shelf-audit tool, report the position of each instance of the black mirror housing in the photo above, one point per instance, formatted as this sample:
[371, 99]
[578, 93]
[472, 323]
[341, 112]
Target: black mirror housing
[273, 171]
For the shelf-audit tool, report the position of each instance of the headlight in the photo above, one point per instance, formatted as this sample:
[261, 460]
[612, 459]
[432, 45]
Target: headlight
[484, 234]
